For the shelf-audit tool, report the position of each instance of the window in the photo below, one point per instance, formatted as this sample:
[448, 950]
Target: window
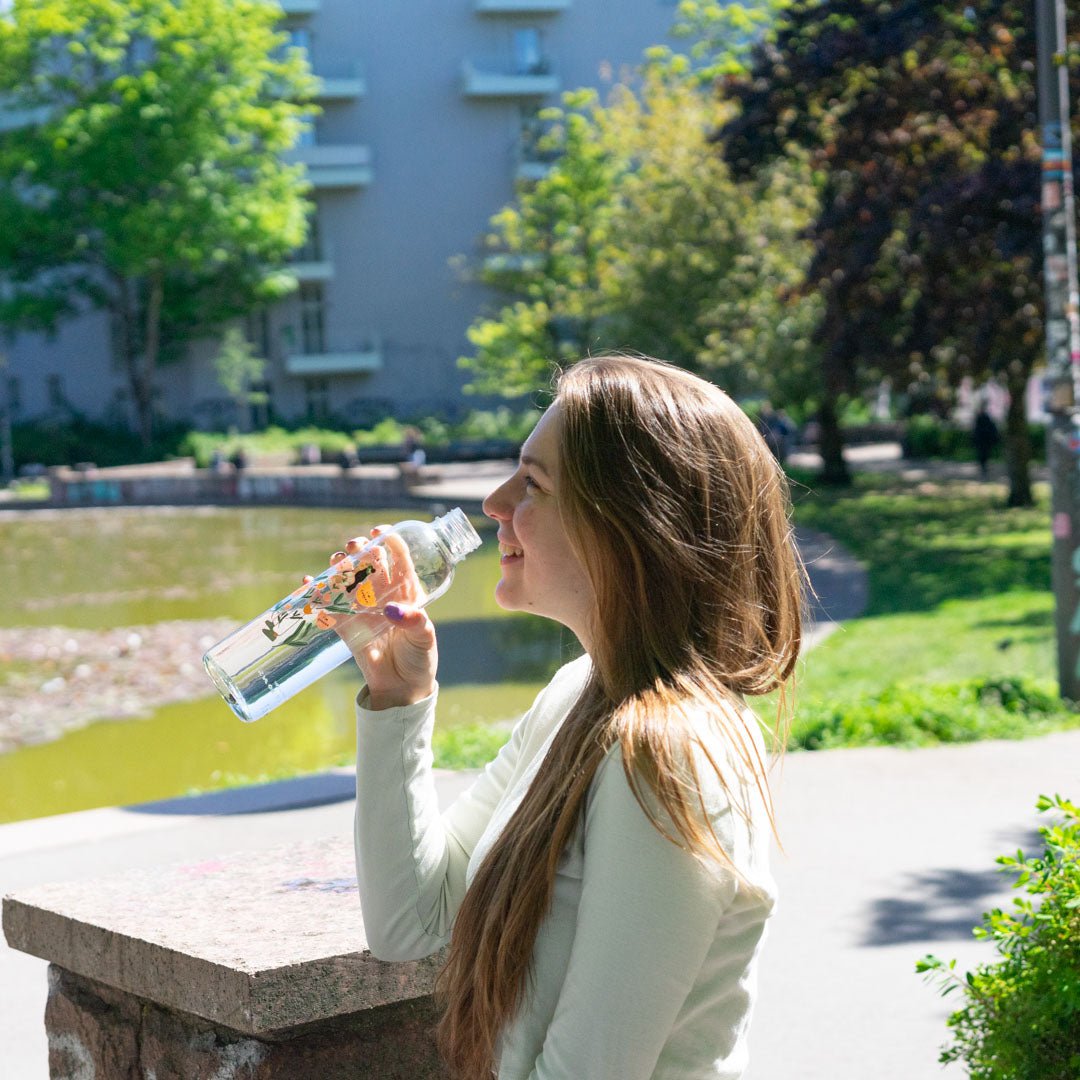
[309, 135]
[528, 58]
[312, 317]
[312, 249]
[14, 397]
[257, 331]
[317, 398]
[54, 391]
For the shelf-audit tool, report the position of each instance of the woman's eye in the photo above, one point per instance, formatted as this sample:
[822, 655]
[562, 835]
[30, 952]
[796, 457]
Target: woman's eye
[530, 483]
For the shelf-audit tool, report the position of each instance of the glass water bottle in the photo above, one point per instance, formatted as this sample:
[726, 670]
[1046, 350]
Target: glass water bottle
[300, 638]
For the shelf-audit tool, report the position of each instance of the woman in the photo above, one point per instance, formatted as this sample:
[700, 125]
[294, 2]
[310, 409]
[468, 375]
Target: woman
[603, 885]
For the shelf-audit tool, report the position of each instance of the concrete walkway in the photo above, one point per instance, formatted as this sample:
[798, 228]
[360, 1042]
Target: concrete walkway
[888, 855]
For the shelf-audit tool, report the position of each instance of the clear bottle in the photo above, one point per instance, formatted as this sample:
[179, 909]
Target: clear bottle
[300, 638]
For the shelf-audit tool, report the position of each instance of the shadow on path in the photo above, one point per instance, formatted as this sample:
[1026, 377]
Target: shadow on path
[942, 904]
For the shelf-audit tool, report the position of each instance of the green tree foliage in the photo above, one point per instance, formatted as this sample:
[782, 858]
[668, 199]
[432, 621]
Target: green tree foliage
[145, 178]
[238, 370]
[1021, 1015]
[638, 238]
[920, 120]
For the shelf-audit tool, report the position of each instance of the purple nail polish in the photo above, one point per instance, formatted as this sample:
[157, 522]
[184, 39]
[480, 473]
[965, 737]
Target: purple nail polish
[394, 612]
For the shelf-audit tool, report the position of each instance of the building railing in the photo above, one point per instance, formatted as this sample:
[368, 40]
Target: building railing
[333, 165]
[520, 7]
[364, 357]
[502, 79]
[346, 83]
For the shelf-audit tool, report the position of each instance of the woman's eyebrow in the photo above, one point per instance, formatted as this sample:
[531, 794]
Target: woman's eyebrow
[536, 463]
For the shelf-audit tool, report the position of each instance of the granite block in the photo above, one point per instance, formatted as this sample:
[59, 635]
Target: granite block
[99, 1033]
[260, 942]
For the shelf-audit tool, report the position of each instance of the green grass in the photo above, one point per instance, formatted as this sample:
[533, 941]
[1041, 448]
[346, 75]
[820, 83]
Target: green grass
[959, 600]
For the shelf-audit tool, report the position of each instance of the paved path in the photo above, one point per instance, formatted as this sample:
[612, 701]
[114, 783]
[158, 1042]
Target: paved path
[888, 855]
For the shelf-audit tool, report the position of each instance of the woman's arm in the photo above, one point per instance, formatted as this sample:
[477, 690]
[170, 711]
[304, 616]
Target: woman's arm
[410, 859]
[648, 915]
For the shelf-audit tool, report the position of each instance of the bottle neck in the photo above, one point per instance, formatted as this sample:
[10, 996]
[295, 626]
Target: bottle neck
[456, 533]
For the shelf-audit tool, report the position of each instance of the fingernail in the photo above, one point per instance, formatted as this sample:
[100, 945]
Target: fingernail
[394, 612]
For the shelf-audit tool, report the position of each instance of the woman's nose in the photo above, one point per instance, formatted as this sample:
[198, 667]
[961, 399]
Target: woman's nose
[496, 505]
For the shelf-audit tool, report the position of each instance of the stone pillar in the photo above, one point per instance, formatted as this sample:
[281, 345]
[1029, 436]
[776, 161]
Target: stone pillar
[253, 967]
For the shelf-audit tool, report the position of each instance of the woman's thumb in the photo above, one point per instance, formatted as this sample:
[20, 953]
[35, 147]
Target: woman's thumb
[413, 621]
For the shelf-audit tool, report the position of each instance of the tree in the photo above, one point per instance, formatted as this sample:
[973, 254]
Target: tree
[146, 178]
[552, 254]
[238, 370]
[920, 122]
[638, 238]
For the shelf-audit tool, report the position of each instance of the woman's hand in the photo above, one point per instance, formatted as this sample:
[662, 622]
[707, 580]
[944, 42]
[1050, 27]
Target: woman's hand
[400, 665]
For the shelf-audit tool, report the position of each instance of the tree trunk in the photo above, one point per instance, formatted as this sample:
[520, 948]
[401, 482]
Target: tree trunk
[151, 347]
[1018, 440]
[831, 443]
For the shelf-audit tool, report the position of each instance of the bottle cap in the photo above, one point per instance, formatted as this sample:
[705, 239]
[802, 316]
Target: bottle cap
[457, 533]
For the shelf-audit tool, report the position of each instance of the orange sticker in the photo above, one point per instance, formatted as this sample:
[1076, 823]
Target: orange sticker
[365, 594]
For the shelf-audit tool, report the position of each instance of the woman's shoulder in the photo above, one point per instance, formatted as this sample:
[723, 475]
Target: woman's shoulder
[564, 687]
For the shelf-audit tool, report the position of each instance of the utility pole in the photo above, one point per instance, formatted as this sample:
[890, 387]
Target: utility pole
[1062, 333]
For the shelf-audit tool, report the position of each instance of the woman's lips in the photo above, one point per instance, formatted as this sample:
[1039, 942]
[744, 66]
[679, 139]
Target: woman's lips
[509, 553]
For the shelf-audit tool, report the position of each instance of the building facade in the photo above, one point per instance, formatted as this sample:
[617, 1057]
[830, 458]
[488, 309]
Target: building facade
[427, 110]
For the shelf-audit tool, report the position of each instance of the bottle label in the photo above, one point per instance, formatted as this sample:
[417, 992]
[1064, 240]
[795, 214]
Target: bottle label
[346, 589]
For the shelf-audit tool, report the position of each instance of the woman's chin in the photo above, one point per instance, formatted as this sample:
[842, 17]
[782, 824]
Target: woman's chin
[504, 597]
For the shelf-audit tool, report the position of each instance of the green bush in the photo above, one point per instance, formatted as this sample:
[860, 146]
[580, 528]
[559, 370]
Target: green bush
[479, 424]
[1021, 1017]
[67, 442]
[926, 715]
[388, 432]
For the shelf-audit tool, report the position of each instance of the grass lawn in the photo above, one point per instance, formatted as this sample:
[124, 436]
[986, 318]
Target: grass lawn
[958, 639]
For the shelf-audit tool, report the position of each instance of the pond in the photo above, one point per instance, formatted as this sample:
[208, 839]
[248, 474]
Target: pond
[108, 611]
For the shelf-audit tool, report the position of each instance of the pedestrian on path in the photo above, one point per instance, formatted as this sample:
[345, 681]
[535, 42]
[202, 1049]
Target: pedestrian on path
[984, 437]
[605, 878]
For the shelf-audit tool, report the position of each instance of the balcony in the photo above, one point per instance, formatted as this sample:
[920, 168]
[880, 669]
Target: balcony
[314, 261]
[520, 7]
[366, 358]
[345, 85]
[300, 7]
[343, 165]
[308, 269]
[503, 81]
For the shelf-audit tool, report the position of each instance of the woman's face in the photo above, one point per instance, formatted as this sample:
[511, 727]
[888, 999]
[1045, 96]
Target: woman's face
[540, 571]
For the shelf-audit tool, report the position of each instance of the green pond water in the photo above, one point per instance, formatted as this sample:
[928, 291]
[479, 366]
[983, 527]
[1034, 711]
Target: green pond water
[101, 569]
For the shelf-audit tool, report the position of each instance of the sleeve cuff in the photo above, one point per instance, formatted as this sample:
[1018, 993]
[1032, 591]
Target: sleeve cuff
[402, 713]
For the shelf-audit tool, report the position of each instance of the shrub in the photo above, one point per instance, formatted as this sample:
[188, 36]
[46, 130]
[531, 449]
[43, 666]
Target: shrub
[925, 715]
[1021, 1017]
[75, 439]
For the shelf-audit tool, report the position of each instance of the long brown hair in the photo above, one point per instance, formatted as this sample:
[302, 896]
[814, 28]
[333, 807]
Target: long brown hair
[680, 515]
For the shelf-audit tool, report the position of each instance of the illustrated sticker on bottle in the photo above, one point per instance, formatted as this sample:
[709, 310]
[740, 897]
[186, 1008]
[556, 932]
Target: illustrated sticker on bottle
[362, 588]
[344, 589]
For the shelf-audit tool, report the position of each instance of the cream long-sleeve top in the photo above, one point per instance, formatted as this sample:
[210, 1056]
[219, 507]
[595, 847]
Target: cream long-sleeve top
[645, 965]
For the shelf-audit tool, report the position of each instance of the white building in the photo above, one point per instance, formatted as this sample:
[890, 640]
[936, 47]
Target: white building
[419, 143]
